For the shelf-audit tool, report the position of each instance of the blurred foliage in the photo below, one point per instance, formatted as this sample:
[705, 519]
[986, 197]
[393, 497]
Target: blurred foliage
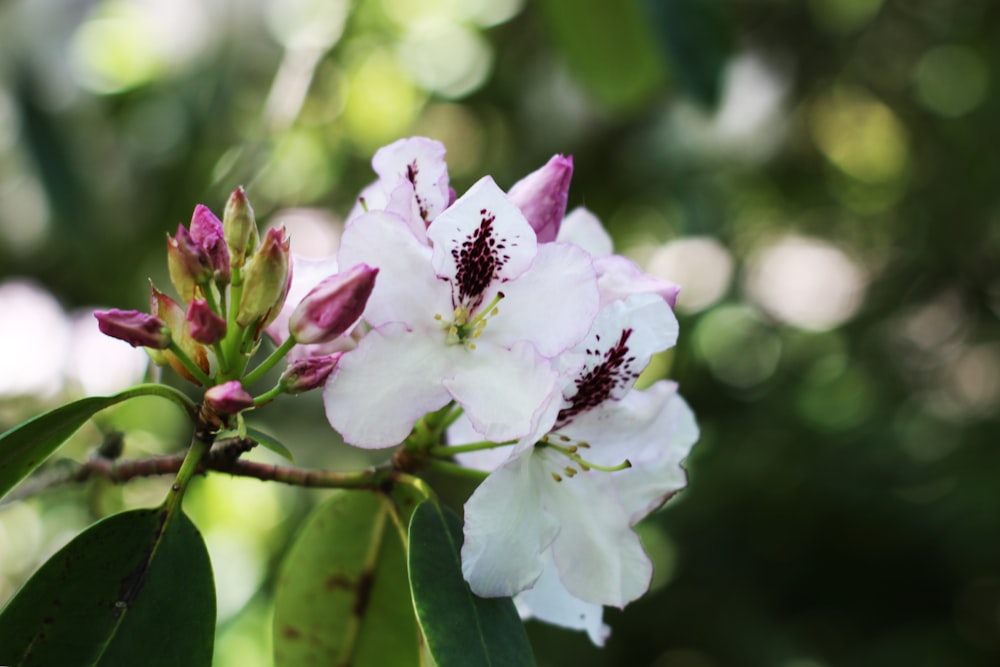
[832, 217]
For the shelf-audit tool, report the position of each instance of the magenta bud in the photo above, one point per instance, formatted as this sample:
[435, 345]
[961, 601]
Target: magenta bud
[266, 281]
[204, 326]
[542, 196]
[188, 263]
[331, 307]
[308, 373]
[207, 231]
[135, 328]
[228, 398]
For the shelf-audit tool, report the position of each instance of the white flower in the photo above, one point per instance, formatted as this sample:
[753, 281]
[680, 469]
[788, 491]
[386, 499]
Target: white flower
[554, 522]
[474, 314]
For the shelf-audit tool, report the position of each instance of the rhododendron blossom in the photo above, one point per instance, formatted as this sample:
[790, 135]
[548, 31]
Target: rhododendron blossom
[474, 318]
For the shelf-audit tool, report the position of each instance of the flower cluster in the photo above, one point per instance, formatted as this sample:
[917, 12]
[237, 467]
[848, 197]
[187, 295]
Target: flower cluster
[499, 323]
[523, 319]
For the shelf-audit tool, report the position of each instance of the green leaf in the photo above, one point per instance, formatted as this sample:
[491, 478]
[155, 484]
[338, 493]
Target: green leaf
[126, 591]
[609, 47]
[24, 447]
[462, 630]
[342, 596]
[268, 441]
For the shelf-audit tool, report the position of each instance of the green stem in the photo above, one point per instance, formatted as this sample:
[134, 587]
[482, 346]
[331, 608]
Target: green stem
[269, 363]
[234, 333]
[190, 365]
[166, 392]
[268, 395]
[200, 444]
[457, 470]
[449, 450]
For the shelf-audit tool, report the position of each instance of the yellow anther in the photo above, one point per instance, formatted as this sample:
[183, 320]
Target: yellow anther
[477, 333]
[585, 445]
[556, 477]
[437, 316]
[494, 312]
[569, 471]
[583, 466]
[565, 438]
[472, 346]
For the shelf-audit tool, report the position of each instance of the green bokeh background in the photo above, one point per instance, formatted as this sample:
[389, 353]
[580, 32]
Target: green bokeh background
[820, 175]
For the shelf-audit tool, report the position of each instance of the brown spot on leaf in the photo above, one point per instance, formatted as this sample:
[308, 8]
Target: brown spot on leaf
[363, 594]
[290, 632]
[338, 580]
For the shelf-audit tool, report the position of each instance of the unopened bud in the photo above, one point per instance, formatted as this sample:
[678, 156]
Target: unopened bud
[168, 310]
[204, 326]
[308, 373]
[266, 281]
[228, 398]
[188, 263]
[135, 328]
[331, 307]
[542, 196]
[240, 227]
[207, 231]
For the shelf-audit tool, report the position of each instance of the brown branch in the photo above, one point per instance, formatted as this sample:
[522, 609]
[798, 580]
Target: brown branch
[223, 457]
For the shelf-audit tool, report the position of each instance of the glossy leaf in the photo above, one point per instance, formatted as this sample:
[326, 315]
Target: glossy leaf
[126, 591]
[342, 596]
[25, 446]
[461, 629]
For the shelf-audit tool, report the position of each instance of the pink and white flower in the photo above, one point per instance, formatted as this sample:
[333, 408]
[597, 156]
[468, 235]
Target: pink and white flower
[474, 314]
[562, 506]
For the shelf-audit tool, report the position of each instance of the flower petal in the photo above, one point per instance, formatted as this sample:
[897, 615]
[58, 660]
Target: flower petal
[599, 557]
[620, 277]
[506, 394]
[655, 430]
[481, 240]
[583, 228]
[505, 531]
[418, 161]
[379, 389]
[549, 601]
[552, 304]
[407, 289]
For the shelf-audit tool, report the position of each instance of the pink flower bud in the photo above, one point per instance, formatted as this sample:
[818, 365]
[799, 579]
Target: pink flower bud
[135, 328]
[204, 326]
[188, 263]
[332, 306]
[239, 227]
[542, 196]
[266, 281]
[207, 231]
[168, 310]
[308, 373]
[228, 398]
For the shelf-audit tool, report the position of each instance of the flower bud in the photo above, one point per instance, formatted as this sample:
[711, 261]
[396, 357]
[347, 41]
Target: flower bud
[266, 281]
[207, 231]
[135, 328]
[331, 307]
[542, 196]
[188, 263]
[308, 373]
[204, 326]
[168, 310]
[240, 227]
[228, 398]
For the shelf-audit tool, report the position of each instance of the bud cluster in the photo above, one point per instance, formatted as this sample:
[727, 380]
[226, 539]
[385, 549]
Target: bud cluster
[232, 285]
